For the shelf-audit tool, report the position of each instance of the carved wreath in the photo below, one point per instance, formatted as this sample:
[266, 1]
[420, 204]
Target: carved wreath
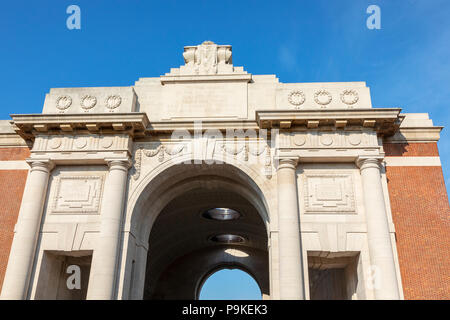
[322, 97]
[63, 102]
[296, 97]
[88, 102]
[349, 97]
[113, 102]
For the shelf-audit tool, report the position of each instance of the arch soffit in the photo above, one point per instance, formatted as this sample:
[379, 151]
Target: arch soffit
[155, 183]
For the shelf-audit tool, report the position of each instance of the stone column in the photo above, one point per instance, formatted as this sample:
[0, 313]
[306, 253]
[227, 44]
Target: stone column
[102, 279]
[23, 249]
[384, 274]
[290, 252]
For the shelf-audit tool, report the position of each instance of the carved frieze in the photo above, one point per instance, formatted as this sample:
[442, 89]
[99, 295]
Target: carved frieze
[329, 193]
[81, 142]
[137, 161]
[206, 149]
[162, 152]
[256, 149]
[329, 139]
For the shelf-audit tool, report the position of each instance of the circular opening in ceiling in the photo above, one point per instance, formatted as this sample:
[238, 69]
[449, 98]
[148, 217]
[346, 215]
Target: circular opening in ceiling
[227, 238]
[222, 214]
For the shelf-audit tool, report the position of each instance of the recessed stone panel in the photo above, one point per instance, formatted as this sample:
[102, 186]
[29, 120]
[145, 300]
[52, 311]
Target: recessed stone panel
[329, 193]
[77, 194]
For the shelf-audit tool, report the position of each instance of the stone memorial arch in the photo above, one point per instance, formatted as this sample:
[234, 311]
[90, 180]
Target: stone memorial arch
[144, 191]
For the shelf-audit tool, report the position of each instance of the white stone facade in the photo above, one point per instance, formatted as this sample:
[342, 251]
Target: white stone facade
[304, 164]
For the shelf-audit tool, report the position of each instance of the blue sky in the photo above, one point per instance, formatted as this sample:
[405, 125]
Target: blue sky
[229, 284]
[406, 63]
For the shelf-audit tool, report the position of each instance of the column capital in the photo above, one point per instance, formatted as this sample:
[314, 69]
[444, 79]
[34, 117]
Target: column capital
[369, 162]
[287, 162]
[118, 163]
[44, 165]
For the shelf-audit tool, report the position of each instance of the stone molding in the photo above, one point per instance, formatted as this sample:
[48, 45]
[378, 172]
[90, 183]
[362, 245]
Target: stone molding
[30, 125]
[416, 127]
[385, 121]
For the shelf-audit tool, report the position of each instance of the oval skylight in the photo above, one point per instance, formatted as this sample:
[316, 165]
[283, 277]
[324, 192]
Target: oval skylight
[222, 214]
[227, 238]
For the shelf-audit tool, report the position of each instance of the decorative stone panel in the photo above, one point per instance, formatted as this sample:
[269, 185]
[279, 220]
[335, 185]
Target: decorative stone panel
[77, 194]
[81, 142]
[323, 96]
[329, 193]
[330, 139]
[90, 100]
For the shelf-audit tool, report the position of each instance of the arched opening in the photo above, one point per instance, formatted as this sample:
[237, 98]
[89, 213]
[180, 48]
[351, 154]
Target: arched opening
[198, 218]
[229, 284]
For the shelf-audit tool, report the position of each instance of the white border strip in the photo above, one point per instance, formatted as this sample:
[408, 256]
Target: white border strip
[413, 161]
[390, 162]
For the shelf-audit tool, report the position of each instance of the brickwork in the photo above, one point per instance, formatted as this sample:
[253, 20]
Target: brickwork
[12, 183]
[411, 149]
[9, 154]
[421, 215]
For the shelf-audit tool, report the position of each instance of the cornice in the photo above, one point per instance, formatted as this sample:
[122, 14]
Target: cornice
[416, 134]
[385, 121]
[29, 125]
[205, 78]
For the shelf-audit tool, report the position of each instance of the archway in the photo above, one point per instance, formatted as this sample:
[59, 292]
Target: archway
[181, 244]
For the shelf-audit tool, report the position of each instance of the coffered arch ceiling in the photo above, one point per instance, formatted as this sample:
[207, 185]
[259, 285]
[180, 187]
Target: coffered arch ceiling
[181, 251]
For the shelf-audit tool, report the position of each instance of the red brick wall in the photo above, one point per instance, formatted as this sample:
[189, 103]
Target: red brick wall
[12, 183]
[14, 153]
[411, 149]
[421, 215]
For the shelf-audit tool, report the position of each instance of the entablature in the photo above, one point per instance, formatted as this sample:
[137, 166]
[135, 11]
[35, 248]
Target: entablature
[28, 126]
[384, 121]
